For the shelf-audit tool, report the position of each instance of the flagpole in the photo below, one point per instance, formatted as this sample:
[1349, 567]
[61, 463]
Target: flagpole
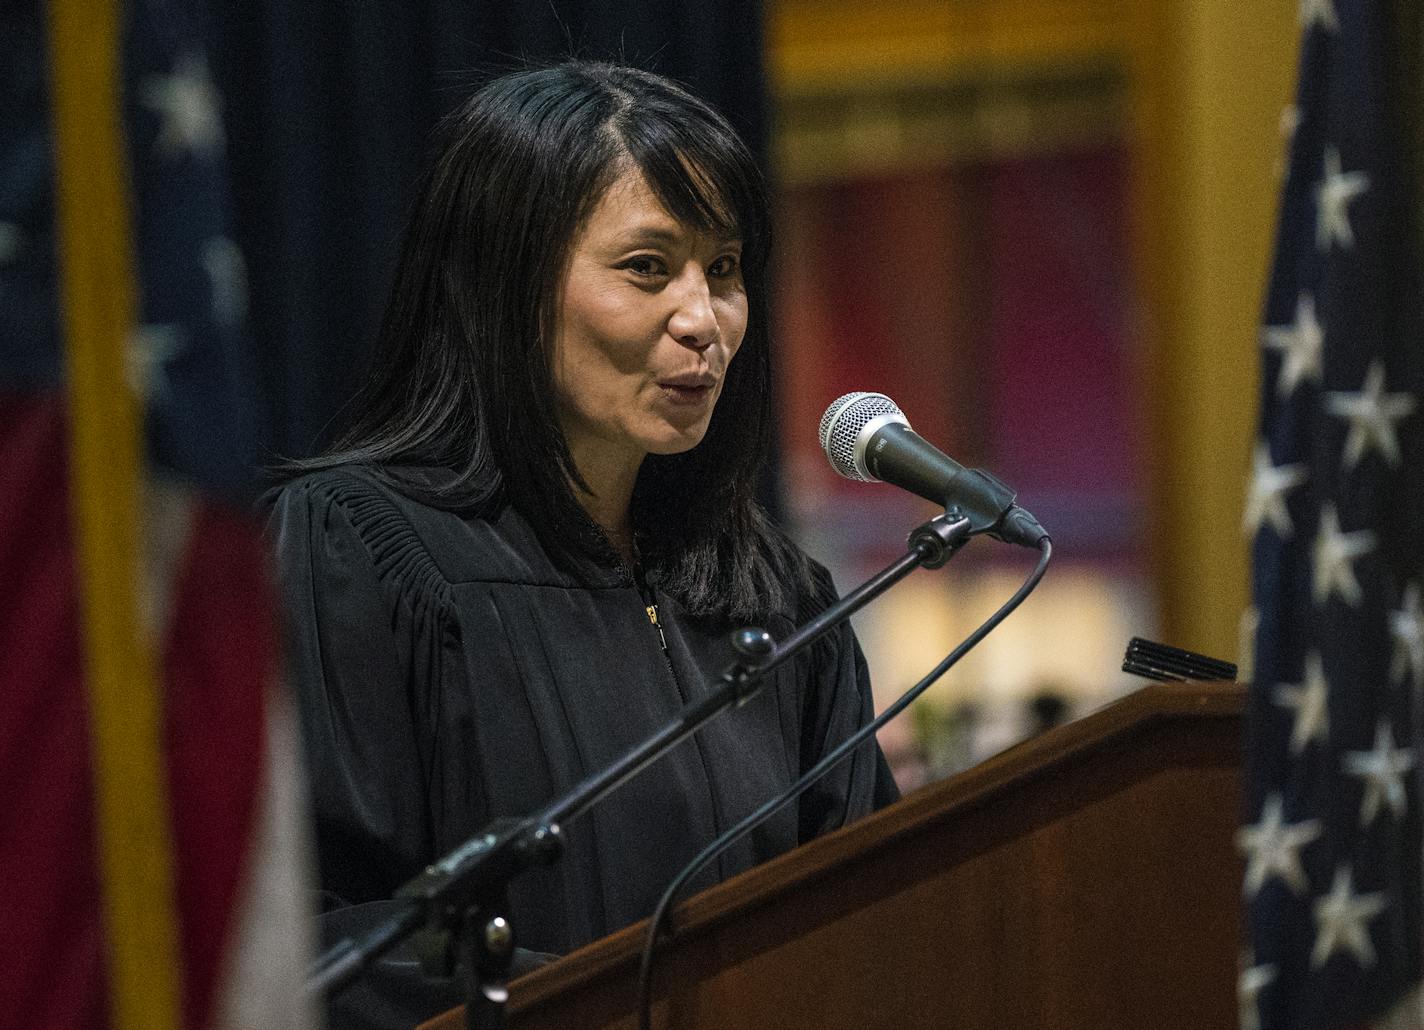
[1406, 19]
[132, 820]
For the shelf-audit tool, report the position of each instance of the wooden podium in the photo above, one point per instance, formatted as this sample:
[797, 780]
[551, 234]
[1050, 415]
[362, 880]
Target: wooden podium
[1086, 878]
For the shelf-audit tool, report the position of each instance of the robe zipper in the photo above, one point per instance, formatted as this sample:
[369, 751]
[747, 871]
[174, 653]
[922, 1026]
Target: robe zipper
[652, 610]
[650, 605]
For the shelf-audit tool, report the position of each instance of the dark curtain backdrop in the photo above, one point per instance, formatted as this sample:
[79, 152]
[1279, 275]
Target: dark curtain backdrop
[328, 108]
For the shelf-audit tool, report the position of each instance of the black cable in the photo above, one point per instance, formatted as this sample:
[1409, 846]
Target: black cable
[660, 913]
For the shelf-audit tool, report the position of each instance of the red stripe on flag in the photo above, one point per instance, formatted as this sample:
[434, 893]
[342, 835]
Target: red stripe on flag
[52, 947]
[220, 659]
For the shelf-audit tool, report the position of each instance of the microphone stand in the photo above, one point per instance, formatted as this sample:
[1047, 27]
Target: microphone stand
[461, 900]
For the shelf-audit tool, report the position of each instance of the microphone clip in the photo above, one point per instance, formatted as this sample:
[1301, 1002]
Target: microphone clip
[755, 649]
[937, 540]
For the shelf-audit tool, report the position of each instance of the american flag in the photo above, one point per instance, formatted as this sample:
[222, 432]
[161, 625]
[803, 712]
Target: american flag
[228, 801]
[1332, 834]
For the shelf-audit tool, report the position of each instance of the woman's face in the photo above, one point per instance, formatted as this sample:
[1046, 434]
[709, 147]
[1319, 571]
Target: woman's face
[651, 314]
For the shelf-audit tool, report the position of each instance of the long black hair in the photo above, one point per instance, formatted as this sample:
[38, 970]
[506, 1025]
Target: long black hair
[461, 374]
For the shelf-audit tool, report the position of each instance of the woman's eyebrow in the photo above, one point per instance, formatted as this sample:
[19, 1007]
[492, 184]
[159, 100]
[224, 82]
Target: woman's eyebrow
[650, 234]
[662, 234]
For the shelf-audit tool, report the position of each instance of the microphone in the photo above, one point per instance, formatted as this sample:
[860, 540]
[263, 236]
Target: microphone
[867, 438]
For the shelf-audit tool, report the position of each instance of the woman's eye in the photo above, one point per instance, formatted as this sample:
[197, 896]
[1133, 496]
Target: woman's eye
[724, 267]
[644, 264]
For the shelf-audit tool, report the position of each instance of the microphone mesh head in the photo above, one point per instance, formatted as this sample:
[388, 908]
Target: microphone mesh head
[842, 423]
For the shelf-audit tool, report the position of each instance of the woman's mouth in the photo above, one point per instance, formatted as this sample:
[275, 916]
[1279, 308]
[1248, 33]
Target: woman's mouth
[687, 394]
[693, 389]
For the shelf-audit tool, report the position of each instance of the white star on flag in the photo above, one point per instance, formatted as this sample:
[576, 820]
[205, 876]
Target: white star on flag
[1332, 199]
[1266, 499]
[1335, 553]
[150, 349]
[188, 103]
[1274, 847]
[1406, 626]
[227, 274]
[1309, 701]
[1289, 123]
[1249, 985]
[1372, 414]
[1382, 769]
[1299, 343]
[1319, 12]
[1340, 919]
[1246, 644]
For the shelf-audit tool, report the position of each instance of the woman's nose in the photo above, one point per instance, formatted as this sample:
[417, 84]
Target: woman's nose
[693, 323]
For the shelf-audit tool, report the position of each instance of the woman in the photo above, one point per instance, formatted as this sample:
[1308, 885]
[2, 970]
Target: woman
[528, 551]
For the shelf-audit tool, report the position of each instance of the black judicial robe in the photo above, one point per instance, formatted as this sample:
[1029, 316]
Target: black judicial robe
[447, 672]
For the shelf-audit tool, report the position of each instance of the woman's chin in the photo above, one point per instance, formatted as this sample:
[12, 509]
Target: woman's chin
[678, 441]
